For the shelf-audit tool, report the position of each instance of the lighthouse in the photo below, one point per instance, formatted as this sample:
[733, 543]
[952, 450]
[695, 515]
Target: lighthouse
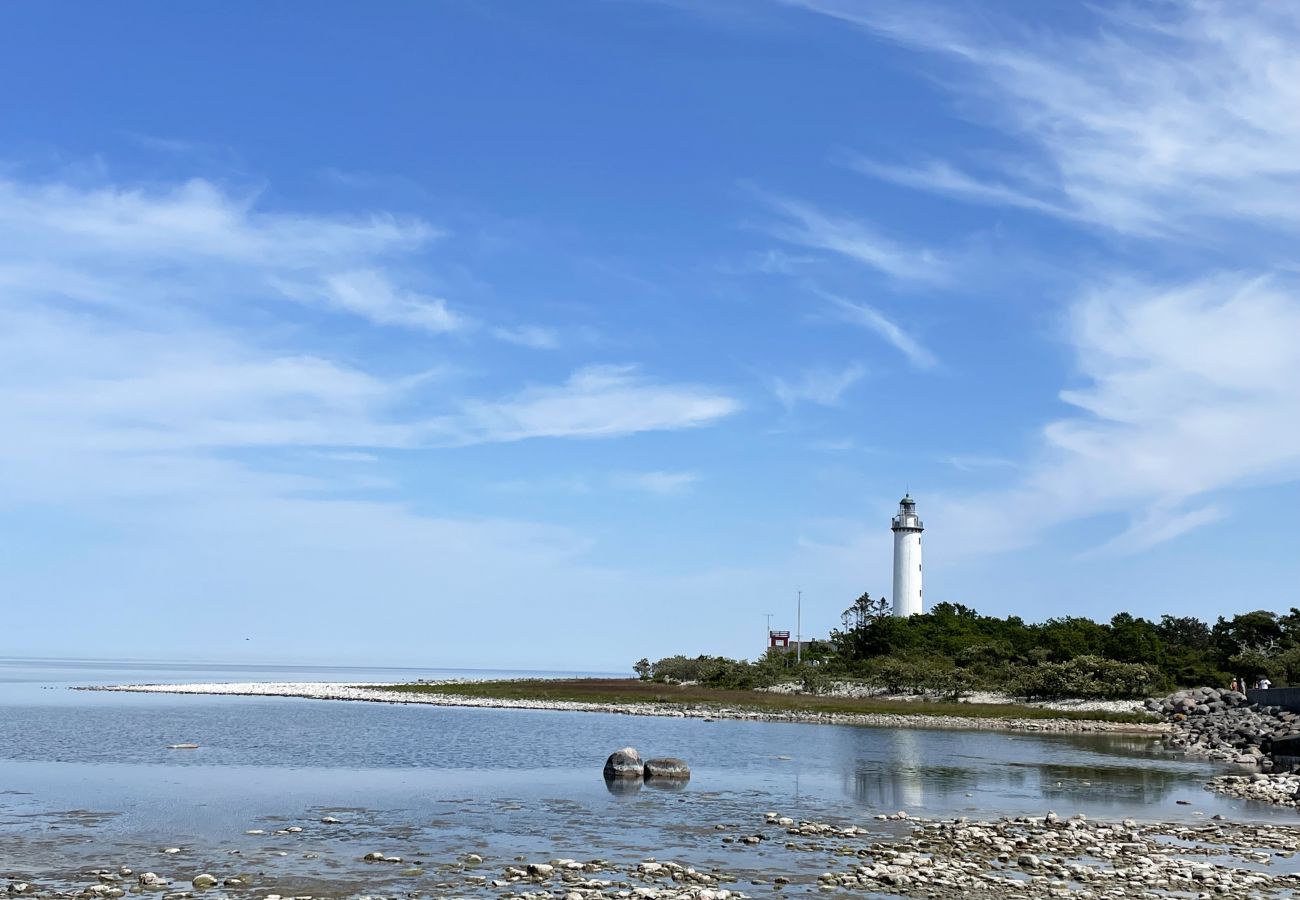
[907, 530]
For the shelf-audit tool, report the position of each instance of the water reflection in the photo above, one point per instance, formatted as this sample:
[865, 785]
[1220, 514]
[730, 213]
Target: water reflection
[670, 785]
[901, 770]
[1112, 784]
[623, 786]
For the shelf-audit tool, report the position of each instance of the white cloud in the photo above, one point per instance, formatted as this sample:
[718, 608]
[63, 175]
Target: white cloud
[1162, 118]
[807, 226]
[873, 320]
[195, 221]
[942, 178]
[373, 296]
[127, 363]
[822, 386]
[657, 482]
[122, 246]
[1187, 392]
[1154, 527]
[597, 401]
[194, 443]
[533, 336]
[1174, 123]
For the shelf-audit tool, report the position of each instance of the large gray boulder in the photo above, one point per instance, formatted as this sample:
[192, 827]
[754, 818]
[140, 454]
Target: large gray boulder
[667, 767]
[625, 763]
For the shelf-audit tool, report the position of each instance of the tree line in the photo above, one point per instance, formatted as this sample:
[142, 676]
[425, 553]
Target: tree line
[953, 650]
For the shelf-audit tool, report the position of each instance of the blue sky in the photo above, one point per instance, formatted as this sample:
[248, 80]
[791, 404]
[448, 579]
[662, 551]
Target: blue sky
[559, 334]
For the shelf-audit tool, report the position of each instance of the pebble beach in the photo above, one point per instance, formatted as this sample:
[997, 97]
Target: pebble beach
[892, 854]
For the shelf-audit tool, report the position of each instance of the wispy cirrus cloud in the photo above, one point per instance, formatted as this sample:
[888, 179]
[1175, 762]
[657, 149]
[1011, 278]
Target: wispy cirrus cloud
[657, 482]
[967, 463]
[822, 386]
[534, 336]
[358, 266]
[1186, 391]
[196, 221]
[1157, 118]
[596, 401]
[1170, 124]
[126, 360]
[804, 225]
[872, 319]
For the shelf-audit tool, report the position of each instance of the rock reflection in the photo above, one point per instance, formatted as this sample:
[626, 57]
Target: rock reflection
[671, 785]
[623, 786]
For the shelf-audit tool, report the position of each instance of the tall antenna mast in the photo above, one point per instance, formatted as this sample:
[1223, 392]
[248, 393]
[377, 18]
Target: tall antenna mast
[798, 630]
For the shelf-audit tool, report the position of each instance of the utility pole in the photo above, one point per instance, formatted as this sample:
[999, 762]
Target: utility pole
[767, 638]
[798, 630]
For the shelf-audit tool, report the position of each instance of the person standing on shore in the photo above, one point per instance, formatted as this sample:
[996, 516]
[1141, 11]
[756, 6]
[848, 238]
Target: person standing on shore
[1236, 685]
[1263, 683]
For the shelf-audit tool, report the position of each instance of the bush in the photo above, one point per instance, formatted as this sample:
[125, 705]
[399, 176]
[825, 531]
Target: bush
[1084, 677]
[813, 680]
[898, 674]
[712, 671]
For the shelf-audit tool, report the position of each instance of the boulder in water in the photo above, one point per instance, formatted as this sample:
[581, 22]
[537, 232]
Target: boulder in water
[625, 763]
[667, 767]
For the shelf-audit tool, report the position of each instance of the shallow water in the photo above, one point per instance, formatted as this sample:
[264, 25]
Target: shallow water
[89, 773]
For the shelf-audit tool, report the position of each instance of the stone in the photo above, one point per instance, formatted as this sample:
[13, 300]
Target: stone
[667, 767]
[204, 881]
[625, 763]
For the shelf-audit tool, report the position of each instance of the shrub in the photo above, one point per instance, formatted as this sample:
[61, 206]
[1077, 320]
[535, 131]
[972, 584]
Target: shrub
[1084, 677]
[713, 671]
[899, 674]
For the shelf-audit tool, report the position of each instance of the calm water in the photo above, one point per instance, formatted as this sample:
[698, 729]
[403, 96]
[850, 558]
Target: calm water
[91, 770]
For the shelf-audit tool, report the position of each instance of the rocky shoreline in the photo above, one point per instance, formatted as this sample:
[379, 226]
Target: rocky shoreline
[1280, 789]
[376, 694]
[889, 854]
[1225, 725]
[1052, 856]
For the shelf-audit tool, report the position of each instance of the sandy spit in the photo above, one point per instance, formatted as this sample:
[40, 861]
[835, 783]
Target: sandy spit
[376, 694]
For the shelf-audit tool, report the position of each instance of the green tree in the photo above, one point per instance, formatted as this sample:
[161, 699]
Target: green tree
[1256, 633]
[1134, 640]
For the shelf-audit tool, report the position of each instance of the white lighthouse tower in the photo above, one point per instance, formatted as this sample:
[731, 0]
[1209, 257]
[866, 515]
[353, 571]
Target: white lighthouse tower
[907, 530]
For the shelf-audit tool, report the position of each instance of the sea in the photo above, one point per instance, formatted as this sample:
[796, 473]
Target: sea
[87, 778]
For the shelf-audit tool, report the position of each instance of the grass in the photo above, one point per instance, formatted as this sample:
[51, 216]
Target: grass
[627, 691]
